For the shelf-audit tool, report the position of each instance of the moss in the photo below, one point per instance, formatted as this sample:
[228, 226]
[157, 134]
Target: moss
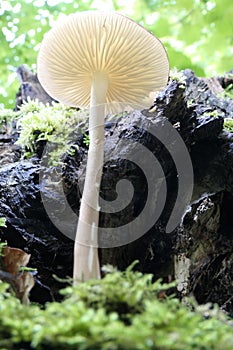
[86, 140]
[178, 76]
[214, 114]
[229, 89]
[228, 124]
[2, 222]
[6, 117]
[54, 124]
[123, 311]
[38, 124]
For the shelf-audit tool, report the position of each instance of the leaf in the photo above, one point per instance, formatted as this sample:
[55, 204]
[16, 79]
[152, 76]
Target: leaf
[14, 258]
[25, 283]
[21, 282]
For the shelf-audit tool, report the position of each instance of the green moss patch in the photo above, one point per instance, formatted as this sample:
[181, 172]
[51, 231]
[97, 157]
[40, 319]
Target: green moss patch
[123, 311]
[55, 124]
[228, 124]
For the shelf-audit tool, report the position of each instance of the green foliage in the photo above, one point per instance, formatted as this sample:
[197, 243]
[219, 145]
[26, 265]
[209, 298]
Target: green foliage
[2, 244]
[53, 124]
[123, 311]
[6, 117]
[23, 24]
[178, 76]
[86, 140]
[125, 299]
[2, 222]
[211, 114]
[229, 91]
[196, 33]
[228, 124]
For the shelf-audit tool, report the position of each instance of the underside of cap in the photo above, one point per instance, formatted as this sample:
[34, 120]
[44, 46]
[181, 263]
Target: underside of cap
[134, 61]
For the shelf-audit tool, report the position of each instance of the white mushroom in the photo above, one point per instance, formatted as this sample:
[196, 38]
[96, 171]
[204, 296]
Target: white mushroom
[92, 59]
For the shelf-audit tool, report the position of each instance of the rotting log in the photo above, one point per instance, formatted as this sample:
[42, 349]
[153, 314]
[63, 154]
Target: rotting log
[204, 237]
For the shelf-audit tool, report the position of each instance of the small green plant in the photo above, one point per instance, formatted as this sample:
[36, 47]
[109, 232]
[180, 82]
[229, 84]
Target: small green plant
[6, 117]
[86, 140]
[2, 222]
[73, 150]
[228, 124]
[178, 76]
[211, 114]
[229, 90]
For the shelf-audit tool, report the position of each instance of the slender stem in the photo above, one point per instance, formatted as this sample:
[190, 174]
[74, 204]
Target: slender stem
[86, 260]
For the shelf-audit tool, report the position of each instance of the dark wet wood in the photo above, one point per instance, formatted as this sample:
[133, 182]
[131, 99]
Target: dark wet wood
[204, 237]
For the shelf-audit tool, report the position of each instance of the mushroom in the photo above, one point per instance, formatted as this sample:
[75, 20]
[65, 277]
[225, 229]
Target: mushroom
[93, 59]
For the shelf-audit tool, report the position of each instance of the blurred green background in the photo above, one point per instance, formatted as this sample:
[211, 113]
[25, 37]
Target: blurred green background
[197, 34]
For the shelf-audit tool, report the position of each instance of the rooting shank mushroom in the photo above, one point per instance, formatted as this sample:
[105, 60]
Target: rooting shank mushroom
[92, 59]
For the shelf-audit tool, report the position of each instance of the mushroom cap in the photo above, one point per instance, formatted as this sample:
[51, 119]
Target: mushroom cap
[134, 60]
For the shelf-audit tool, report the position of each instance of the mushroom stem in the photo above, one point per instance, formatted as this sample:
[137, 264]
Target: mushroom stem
[86, 260]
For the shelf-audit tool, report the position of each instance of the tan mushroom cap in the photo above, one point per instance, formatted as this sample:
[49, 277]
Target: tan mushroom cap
[134, 61]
